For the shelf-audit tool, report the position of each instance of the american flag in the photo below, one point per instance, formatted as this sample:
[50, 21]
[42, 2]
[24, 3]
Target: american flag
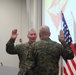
[70, 65]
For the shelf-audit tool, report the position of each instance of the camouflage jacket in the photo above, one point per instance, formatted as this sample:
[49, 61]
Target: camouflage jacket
[47, 54]
[24, 53]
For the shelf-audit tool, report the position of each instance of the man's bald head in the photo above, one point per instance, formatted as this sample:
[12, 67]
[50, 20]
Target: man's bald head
[44, 31]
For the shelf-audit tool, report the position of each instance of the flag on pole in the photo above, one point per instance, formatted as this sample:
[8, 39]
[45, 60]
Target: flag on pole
[70, 65]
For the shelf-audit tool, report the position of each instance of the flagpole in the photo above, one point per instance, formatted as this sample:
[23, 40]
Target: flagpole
[61, 56]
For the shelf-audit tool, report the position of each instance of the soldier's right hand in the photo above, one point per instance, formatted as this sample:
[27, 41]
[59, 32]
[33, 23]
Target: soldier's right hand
[14, 34]
[61, 36]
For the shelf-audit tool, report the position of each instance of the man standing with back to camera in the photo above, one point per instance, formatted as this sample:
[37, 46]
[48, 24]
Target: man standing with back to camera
[23, 51]
[47, 53]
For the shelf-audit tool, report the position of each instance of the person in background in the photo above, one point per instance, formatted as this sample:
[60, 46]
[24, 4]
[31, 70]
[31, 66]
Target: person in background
[23, 51]
[47, 52]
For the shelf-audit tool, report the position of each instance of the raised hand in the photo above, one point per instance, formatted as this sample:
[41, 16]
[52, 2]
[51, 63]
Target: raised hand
[61, 36]
[14, 34]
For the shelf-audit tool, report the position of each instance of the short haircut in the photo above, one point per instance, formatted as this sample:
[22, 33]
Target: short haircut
[31, 29]
[44, 30]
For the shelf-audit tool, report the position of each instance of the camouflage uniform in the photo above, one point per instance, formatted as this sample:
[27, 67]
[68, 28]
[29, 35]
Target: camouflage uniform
[47, 54]
[25, 56]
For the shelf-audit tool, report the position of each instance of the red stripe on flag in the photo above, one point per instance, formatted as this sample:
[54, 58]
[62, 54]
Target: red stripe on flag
[73, 63]
[70, 70]
[73, 48]
[65, 72]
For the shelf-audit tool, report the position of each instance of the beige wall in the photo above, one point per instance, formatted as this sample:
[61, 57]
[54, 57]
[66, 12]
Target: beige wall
[10, 18]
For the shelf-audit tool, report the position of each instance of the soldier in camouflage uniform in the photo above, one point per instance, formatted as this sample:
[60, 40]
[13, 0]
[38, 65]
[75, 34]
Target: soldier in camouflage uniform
[23, 51]
[47, 53]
